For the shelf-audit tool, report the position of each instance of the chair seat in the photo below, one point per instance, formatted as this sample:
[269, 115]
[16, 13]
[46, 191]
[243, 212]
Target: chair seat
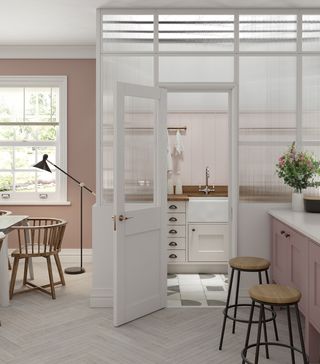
[275, 294]
[37, 252]
[249, 263]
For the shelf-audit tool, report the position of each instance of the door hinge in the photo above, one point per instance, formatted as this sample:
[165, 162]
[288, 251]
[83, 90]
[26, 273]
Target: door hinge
[114, 218]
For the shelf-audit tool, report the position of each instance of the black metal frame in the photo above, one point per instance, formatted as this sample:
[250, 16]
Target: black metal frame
[236, 305]
[266, 343]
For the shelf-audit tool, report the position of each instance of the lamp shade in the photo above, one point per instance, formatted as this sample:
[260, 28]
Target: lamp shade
[43, 164]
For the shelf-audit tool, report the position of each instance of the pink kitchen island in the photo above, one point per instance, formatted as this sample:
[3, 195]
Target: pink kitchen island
[296, 262]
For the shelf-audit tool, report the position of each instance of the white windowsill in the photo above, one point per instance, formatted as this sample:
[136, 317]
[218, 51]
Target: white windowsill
[35, 203]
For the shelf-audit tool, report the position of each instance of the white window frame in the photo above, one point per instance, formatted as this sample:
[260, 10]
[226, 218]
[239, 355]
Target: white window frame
[60, 196]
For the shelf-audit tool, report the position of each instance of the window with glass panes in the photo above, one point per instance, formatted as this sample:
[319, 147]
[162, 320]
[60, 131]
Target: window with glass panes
[32, 123]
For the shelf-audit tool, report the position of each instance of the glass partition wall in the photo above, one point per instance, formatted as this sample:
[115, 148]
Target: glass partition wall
[273, 58]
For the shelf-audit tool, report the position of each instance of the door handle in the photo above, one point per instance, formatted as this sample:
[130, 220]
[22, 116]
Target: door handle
[123, 218]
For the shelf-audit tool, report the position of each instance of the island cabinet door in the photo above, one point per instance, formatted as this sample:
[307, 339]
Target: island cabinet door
[280, 251]
[314, 284]
[298, 266]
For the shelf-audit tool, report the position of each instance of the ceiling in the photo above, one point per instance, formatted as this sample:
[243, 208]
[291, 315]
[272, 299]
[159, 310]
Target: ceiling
[64, 22]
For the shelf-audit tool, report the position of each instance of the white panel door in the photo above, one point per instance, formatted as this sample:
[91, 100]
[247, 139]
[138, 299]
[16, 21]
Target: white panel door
[140, 265]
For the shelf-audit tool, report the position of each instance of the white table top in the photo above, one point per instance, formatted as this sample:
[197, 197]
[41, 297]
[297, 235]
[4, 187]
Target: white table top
[306, 223]
[6, 221]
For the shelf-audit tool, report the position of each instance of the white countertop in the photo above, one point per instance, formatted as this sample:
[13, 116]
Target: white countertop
[306, 223]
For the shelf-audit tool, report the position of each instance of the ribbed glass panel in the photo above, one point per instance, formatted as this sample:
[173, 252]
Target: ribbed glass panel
[311, 98]
[196, 33]
[311, 32]
[195, 69]
[127, 33]
[268, 32]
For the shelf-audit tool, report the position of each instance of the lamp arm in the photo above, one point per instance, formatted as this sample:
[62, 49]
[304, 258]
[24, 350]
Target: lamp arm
[81, 184]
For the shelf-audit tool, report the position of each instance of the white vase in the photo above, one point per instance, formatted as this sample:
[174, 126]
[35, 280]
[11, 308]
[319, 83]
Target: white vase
[297, 201]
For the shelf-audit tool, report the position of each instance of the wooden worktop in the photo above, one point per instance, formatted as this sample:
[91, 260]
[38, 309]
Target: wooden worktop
[193, 191]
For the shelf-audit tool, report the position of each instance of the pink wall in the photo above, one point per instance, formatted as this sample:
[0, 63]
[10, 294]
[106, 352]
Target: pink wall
[81, 139]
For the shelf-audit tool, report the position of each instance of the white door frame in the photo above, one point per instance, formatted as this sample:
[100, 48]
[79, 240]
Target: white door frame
[233, 188]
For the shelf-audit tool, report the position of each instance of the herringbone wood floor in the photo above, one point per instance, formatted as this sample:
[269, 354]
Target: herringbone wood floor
[38, 330]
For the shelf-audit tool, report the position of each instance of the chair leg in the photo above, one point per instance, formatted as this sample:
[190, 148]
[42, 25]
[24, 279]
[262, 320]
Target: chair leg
[303, 349]
[226, 310]
[264, 324]
[236, 303]
[9, 264]
[274, 321]
[25, 273]
[248, 330]
[256, 360]
[293, 360]
[13, 276]
[53, 293]
[60, 270]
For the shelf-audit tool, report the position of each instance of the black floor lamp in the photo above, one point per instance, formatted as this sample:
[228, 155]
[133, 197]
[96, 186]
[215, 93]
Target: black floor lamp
[44, 166]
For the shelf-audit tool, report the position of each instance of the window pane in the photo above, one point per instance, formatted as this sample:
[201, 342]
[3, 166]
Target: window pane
[257, 177]
[25, 181]
[6, 157]
[311, 98]
[268, 32]
[127, 33]
[311, 32]
[267, 98]
[11, 104]
[47, 133]
[25, 133]
[7, 133]
[6, 181]
[196, 33]
[46, 182]
[37, 104]
[196, 69]
[24, 157]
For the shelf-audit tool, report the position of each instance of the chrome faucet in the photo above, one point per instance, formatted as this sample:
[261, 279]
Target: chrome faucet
[207, 189]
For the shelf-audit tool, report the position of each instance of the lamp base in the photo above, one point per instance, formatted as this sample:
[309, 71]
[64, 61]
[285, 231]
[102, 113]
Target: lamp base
[74, 270]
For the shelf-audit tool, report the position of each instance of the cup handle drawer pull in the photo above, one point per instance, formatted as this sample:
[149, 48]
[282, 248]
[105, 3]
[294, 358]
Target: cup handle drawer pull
[282, 232]
[173, 207]
[172, 231]
[173, 219]
[173, 243]
[287, 235]
[173, 256]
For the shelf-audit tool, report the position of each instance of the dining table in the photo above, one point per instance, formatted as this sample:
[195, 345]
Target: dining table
[7, 223]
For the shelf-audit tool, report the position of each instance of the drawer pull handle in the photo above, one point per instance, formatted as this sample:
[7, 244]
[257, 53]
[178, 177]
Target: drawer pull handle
[173, 243]
[282, 232]
[173, 219]
[173, 256]
[173, 207]
[193, 229]
[287, 235]
[172, 231]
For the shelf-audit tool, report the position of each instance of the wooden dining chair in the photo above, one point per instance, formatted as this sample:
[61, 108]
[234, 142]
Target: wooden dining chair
[42, 237]
[5, 212]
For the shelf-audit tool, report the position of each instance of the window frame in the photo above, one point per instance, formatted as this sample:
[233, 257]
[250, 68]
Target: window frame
[60, 195]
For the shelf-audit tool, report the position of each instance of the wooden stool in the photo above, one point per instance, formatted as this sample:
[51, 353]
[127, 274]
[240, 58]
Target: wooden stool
[245, 264]
[276, 295]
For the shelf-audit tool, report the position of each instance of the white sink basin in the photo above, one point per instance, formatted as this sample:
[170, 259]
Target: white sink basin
[208, 209]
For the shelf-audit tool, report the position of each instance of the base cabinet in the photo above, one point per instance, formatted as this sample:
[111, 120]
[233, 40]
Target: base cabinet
[208, 242]
[314, 273]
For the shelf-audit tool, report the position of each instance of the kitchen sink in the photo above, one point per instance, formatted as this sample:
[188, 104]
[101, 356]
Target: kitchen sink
[208, 209]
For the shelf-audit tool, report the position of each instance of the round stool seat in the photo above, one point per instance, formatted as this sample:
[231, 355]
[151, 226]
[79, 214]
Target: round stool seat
[249, 263]
[275, 294]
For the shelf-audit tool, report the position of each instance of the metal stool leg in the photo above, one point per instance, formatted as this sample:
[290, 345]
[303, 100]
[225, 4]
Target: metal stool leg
[264, 323]
[236, 302]
[305, 359]
[256, 360]
[274, 321]
[293, 360]
[226, 310]
[248, 330]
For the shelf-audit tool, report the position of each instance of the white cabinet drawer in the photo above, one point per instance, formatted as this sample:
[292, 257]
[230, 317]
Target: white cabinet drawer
[177, 231]
[176, 256]
[176, 243]
[176, 206]
[176, 219]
